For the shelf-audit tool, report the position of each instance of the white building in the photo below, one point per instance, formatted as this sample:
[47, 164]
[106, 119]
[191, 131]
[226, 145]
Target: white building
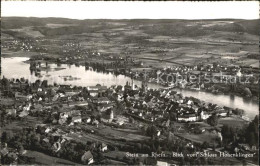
[187, 118]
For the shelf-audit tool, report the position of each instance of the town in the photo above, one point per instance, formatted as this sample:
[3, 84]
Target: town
[99, 125]
[129, 92]
[233, 76]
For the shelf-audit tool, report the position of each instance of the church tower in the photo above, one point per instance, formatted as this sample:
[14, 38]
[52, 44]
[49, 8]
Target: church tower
[144, 83]
[111, 115]
[133, 85]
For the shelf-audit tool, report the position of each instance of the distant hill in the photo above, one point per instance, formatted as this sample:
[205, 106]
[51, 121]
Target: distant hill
[19, 22]
[158, 27]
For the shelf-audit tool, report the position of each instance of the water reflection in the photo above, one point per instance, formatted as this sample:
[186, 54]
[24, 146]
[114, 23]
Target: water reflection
[232, 97]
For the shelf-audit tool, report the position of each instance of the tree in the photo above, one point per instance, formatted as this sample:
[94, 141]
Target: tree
[131, 120]
[247, 92]
[119, 88]
[213, 120]
[20, 149]
[251, 139]
[205, 145]
[7, 136]
[6, 160]
[251, 133]
[44, 84]
[238, 112]
[5, 83]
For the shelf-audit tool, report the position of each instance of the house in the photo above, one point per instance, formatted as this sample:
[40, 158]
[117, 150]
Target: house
[48, 129]
[13, 156]
[120, 120]
[64, 115]
[56, 146]
[81, 99]
[105, 107]
[244, 147]
[166, 123]
[93, 93]
[103, 147]
[162, 163]
[37, 107]
[187, 117]
[239, 74]
[23, 114]
[27, 107]
[20, 96]
[88, 120]
[11, 112]
[82, 103]
[245, 118]
[71, 92]
[189, 102]
[76, 119]
[195, 108]
[96, 90]
[101, 100]
[204, 115]
[46, 140]
[221, 112]
[190, 145]
[158, 133]
[67, 113]
[40, 99]
[4, 151]
[220, 136]
[120, 96]
[55, 97]
[87, 158]
[202, 130]
[29, 97]
[62, 120]
[95, 122]
[15, 85]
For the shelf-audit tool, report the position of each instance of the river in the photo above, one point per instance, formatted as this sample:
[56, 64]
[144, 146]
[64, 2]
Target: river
[16, 68]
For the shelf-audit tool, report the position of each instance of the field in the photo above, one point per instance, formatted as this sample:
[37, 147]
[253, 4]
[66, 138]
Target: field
[29, 31]
[157, 43]
[200, 138]
[17, 126]
[109, 135]
[43, 159]
[6, 101]
[231, 121]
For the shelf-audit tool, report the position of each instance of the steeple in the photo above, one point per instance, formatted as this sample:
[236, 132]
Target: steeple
[144, 84]
[111, 115]
[133, 85]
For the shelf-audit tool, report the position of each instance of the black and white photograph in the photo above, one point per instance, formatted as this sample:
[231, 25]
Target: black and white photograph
[129, 83]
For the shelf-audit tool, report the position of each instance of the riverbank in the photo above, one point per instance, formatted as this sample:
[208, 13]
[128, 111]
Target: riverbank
[51, 58]
[92, 78]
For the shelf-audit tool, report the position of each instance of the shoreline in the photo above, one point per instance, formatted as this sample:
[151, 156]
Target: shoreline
[156, 84]
[253, 98]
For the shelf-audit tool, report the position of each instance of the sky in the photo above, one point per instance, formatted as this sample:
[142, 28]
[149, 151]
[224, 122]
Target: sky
[132, 9]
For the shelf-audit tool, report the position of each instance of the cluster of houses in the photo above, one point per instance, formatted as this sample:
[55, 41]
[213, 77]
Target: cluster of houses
[49, 98]
[23, 45]
[179, 76]
[152, 107]
[147, 104]
[61, 137]
[11, 153]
